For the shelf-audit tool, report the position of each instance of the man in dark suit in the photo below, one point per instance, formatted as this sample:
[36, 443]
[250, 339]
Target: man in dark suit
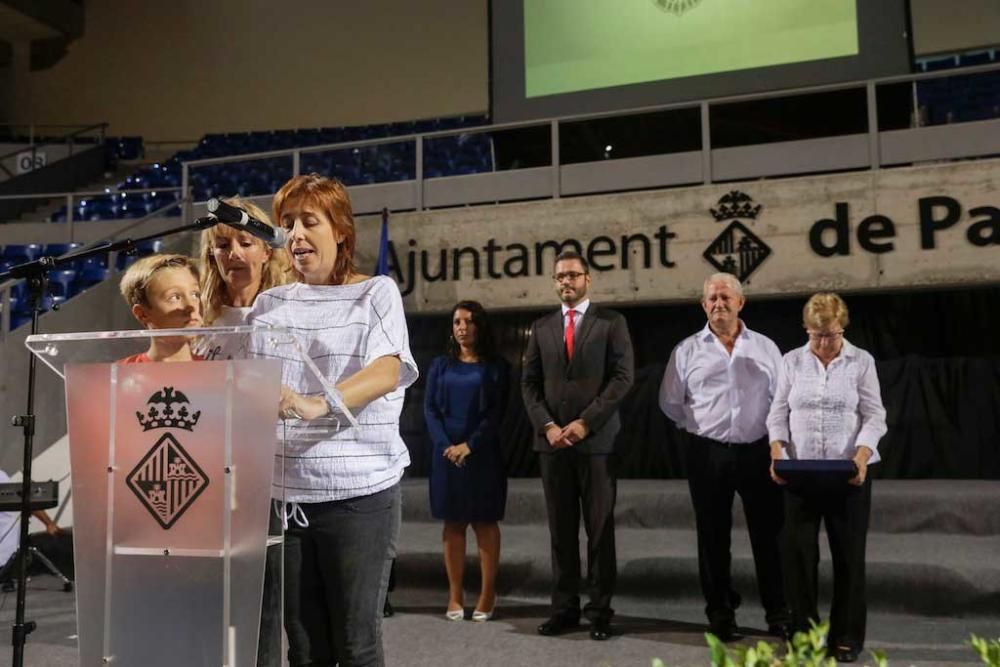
[577, 368]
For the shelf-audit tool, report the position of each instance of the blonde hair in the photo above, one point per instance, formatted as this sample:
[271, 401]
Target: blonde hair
[138, 276]
[824, 308]
[276, 271]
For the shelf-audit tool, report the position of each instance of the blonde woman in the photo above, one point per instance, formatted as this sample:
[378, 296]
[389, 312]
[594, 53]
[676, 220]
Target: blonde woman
[236, 267]
[828, 406]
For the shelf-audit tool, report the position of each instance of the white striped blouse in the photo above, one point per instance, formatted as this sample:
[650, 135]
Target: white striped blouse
[343, 328]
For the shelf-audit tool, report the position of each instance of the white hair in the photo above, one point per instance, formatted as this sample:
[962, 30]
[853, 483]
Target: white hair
[727, 278]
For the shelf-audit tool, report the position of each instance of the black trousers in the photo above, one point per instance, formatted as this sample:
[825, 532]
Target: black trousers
[716, 472]
[269, 637]
[845, 510]
[336, 573]
[573, 481]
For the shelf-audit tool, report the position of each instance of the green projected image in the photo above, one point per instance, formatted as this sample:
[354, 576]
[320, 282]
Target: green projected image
[575, 45]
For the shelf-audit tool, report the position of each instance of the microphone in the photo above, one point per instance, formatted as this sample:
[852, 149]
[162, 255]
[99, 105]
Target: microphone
[237, 218]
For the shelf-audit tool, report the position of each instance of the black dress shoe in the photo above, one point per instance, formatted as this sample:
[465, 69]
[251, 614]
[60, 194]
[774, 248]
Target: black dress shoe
[726, 631]
[387, 609]
[557, 625]
[781, 630]
[600, 629]
[845, 654]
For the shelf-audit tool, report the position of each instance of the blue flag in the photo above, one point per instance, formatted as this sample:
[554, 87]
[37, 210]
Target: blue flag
[382, 265]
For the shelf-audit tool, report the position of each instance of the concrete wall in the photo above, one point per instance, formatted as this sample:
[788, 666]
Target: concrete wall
[174, 71]
[960, 25]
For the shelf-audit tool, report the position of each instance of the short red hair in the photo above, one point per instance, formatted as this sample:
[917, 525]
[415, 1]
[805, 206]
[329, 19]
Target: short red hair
[329, 196]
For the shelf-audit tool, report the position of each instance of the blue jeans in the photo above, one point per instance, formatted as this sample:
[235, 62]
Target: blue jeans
[336, 574]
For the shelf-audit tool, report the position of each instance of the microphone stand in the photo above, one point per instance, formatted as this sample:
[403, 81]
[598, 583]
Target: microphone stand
[36, 275]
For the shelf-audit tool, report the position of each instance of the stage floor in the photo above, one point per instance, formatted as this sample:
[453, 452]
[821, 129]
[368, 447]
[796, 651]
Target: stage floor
[419, 635]
[933, 578]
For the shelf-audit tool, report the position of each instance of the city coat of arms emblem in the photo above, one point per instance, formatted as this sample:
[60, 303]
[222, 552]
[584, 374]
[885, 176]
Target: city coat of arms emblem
[167, 480]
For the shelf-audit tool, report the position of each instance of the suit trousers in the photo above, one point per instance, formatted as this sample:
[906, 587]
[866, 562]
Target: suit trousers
[845, 511]
[571, 481]
[716, 472]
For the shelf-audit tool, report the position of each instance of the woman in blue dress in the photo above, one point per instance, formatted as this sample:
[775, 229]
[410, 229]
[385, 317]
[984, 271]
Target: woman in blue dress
[465, 399]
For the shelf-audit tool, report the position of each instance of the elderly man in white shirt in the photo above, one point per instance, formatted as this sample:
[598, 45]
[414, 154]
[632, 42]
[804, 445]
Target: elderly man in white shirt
[828, 406]
[718, 387]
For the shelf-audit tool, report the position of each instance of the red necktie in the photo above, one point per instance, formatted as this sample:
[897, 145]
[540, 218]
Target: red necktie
[570, 329]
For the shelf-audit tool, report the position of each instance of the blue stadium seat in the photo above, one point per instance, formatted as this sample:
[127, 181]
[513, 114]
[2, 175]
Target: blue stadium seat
[19, 291]
[91, 275]
[124, 261]
[60, 249]
[61, 281]
[941, 63]
[18, 319]
[23, 312]
[969, 59]
[264, 177]
[94, 260]
[18, 254]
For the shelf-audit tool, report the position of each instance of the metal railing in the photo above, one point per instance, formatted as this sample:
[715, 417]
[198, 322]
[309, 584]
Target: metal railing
[70, 200]
[706, 165]
[871, 142]
[7, 285]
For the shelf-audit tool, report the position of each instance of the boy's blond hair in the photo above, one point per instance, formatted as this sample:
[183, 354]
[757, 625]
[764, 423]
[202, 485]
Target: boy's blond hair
[138, 276]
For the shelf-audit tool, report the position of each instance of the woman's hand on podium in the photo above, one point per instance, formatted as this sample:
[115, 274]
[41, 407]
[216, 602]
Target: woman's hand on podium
[296, 406]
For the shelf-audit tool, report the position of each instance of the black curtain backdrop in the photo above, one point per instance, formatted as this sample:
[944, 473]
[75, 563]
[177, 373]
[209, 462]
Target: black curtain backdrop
[938, 355]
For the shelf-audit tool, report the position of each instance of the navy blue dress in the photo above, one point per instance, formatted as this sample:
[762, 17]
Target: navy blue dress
[464, 402]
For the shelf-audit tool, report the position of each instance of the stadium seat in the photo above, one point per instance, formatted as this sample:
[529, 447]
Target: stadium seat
[61, 282]
[60, 249]
[91, 275]
[18, 319]
[940, 63]
[19, 254]
[970, 59]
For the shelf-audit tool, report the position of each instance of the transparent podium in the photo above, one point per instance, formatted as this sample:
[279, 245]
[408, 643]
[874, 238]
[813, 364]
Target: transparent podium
[172, 469]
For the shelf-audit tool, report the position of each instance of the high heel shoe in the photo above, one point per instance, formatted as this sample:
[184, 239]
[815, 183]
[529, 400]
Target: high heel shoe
[483, 616]
[455, 615]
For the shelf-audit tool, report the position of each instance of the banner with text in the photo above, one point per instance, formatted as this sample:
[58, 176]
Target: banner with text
[935, 225]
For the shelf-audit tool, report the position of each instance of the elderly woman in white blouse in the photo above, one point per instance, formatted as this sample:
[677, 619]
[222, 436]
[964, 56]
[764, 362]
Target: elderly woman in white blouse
[828, 406]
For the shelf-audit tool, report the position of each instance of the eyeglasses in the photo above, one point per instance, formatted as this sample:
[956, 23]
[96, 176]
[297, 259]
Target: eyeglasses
[833, 335]
[567, 275]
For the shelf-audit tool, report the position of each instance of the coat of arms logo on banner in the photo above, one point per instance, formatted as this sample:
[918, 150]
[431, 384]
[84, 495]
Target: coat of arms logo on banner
[676, 7]
[167, 480]
[736, 250]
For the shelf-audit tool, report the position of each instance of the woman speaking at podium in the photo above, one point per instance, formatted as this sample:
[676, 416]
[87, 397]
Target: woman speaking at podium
[341, 488]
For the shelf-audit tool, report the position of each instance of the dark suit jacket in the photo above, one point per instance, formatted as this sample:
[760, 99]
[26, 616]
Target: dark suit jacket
[589, 387]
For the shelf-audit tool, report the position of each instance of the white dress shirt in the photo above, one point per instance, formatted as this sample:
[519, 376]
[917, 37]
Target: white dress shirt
[826, 413]
[712, 393]
[581, 310]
